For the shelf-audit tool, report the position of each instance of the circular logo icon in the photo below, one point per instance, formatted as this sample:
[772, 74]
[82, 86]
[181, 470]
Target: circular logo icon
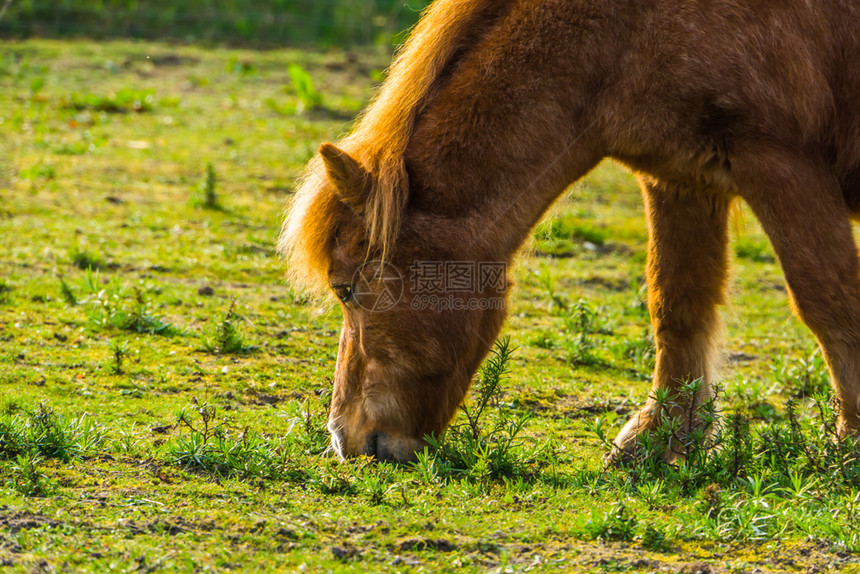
[377, 286]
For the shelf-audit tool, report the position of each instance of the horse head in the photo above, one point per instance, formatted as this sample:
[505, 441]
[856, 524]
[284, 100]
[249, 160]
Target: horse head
[419, 312]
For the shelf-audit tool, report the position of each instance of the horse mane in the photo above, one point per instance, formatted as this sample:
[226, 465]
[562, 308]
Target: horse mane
[445, 31]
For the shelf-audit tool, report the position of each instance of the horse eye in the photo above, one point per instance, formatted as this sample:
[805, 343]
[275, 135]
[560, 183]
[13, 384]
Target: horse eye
[343, 292]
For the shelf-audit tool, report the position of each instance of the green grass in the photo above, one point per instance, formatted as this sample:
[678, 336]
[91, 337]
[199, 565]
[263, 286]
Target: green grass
[164, 392]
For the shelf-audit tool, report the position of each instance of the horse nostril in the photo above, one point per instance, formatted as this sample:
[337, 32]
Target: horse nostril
[371, 447]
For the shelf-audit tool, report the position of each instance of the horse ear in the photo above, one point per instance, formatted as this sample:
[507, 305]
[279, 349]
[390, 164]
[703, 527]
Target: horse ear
[349, 178]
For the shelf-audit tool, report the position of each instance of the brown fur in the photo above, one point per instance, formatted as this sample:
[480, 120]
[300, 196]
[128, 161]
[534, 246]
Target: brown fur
[495, 106]
[379, 143]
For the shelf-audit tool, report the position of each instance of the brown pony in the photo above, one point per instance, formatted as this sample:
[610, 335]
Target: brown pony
[494, 107]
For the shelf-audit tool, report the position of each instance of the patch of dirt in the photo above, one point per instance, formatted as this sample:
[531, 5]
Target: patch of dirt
[417, 544]
[9, 546]
[574, 406]
[262, 399]
[616, 285]
[617, 406]
[697, 568]
[345, 552]
[17, 521]
[771, 557]
[585, 248]
[169, 526]
[172, 60]
[735, 358]
[579, 407]
[781, 559]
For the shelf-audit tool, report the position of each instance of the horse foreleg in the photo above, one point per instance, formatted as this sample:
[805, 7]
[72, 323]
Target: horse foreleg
[801, 208]
[686, 273]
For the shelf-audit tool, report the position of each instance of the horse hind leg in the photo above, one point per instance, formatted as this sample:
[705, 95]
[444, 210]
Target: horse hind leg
[687, 272]
[802, 209]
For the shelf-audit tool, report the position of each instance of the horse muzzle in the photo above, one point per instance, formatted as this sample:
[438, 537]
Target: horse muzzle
[378, 445]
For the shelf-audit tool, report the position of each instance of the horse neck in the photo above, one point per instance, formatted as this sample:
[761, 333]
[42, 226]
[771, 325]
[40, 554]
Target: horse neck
[518, 119]
[496, 184]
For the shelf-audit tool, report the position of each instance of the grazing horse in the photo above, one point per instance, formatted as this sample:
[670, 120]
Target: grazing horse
[494, 107]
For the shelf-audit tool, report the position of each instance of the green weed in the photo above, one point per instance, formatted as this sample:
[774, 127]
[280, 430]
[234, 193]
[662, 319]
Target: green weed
[228, 337]
[581, 323]
[755, 395]
[488, 445]
[128, 441]
[120, 102]
[557, 302]
[307, 425]
[119, 351]
[206, 194]
[36, 85]
[25, 476]
[746, 479]
[67, 292]
[652, 537]
[716, 453]
[83, 259]
[5, 292]
[39, 171]
[544, 340]
[210, 446]
[12, 438]
[49, 435]
[614, 524]
[139, 317]
[114, 307]
[642, 353]
[240, 67]
[753, 249]
[805, 377]
[309, 98]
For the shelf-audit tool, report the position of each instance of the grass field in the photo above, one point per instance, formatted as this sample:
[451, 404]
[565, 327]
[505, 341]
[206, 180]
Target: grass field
[163, 391]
